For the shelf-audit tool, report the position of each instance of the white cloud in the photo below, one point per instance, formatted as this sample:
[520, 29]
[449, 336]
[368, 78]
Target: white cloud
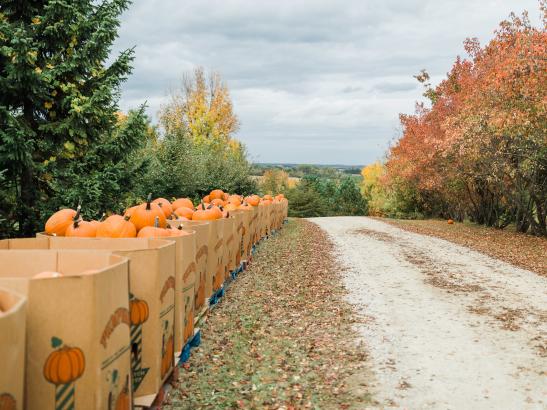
[312, 81]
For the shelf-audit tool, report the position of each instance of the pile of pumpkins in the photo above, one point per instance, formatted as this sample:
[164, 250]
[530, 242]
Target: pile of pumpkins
[149, 219]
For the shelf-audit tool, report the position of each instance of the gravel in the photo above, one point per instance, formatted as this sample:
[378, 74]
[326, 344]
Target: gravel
[446, 327]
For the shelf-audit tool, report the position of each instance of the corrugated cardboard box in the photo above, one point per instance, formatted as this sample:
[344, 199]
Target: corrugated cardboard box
[152, 301]
[12, 348]
[77, 328]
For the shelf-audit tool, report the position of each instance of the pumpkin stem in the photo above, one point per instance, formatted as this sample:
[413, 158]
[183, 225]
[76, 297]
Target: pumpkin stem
[77, 216]
[148, 201]
[127, 217]
[102, 217]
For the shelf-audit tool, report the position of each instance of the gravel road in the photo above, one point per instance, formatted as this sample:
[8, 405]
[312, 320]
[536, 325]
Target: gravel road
[446, 327]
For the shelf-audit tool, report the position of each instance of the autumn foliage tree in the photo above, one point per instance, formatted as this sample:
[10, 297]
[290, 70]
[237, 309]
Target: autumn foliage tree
[480, 150]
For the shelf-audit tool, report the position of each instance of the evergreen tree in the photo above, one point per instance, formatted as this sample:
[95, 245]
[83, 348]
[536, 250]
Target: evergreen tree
[349, 198]
[60, 139]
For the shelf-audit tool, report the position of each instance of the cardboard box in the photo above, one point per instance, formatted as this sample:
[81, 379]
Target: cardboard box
[184, 289]
[215, 260]
[12, 348]
[201, 230]
[238, 216]
[230, 246]
[254, 226]
[152, 301]
[77, 328]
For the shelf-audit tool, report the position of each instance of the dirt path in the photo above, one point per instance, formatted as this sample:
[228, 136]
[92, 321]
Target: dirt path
[446, 327]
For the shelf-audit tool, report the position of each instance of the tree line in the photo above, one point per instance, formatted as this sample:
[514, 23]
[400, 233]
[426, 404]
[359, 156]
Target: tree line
[63, 140]
[478, 151]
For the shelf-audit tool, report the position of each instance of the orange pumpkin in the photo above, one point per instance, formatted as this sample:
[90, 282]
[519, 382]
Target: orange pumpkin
[7, 402]
[81, 229]
[206, 199]
[123, 402]
[167, 359]
[184, 212]
[253, 200]
[117, 226]
[153, 232]
[231, 207]
[165, 206]
[182, 202]
[234, 199]
[64, 365]
[58, 222]
[216, 194]
[450, 222]
[138, 311]
[267, 197]
[203, 215]
[129, 211]
[217, 202]
[217, 212]
[146, 214]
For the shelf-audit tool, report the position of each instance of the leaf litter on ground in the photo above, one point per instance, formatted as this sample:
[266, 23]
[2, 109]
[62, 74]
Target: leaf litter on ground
[522, 250]
[282, 337]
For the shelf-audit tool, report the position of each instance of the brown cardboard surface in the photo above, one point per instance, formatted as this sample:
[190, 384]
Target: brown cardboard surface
[201, 229]
[230, 246]
[12, 348]
[152, 298]
[77, 328]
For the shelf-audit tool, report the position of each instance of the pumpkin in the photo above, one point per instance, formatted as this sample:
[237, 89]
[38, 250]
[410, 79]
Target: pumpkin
[253, 200]
[64, 365]
[7, 402]
[182, 202]
[167, 359]
[146, 214]
[266, 201]
[153, 232]
[217, 211]
[216, 194]
[206, 199]
[117, 226]
[129, 211]
[217, 202]
[234, 199]
[123, 402]
[204, 215]
[231, 207]
[267, 197]
[184, 212]
[245, 206]
[47, 274]
[165, 206]
[58, 222]
[138, 311]
[450, 222]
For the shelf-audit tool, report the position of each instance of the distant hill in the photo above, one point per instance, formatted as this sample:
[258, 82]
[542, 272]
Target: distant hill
[301, 170]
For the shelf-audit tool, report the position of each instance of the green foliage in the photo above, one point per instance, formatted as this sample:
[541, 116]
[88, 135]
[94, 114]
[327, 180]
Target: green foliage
[183, 168]
[60, 140]
[315, 196]
[349, 198]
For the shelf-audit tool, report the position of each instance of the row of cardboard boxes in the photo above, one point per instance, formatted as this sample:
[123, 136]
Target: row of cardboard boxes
[98, 323]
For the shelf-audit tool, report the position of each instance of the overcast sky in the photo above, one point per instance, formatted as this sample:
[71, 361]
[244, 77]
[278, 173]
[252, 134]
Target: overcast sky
[312, 81]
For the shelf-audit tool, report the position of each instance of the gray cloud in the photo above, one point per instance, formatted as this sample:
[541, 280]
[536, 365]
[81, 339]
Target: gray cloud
[312, 81]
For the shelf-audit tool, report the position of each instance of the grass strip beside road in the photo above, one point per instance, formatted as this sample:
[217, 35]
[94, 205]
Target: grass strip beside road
[282, 336]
